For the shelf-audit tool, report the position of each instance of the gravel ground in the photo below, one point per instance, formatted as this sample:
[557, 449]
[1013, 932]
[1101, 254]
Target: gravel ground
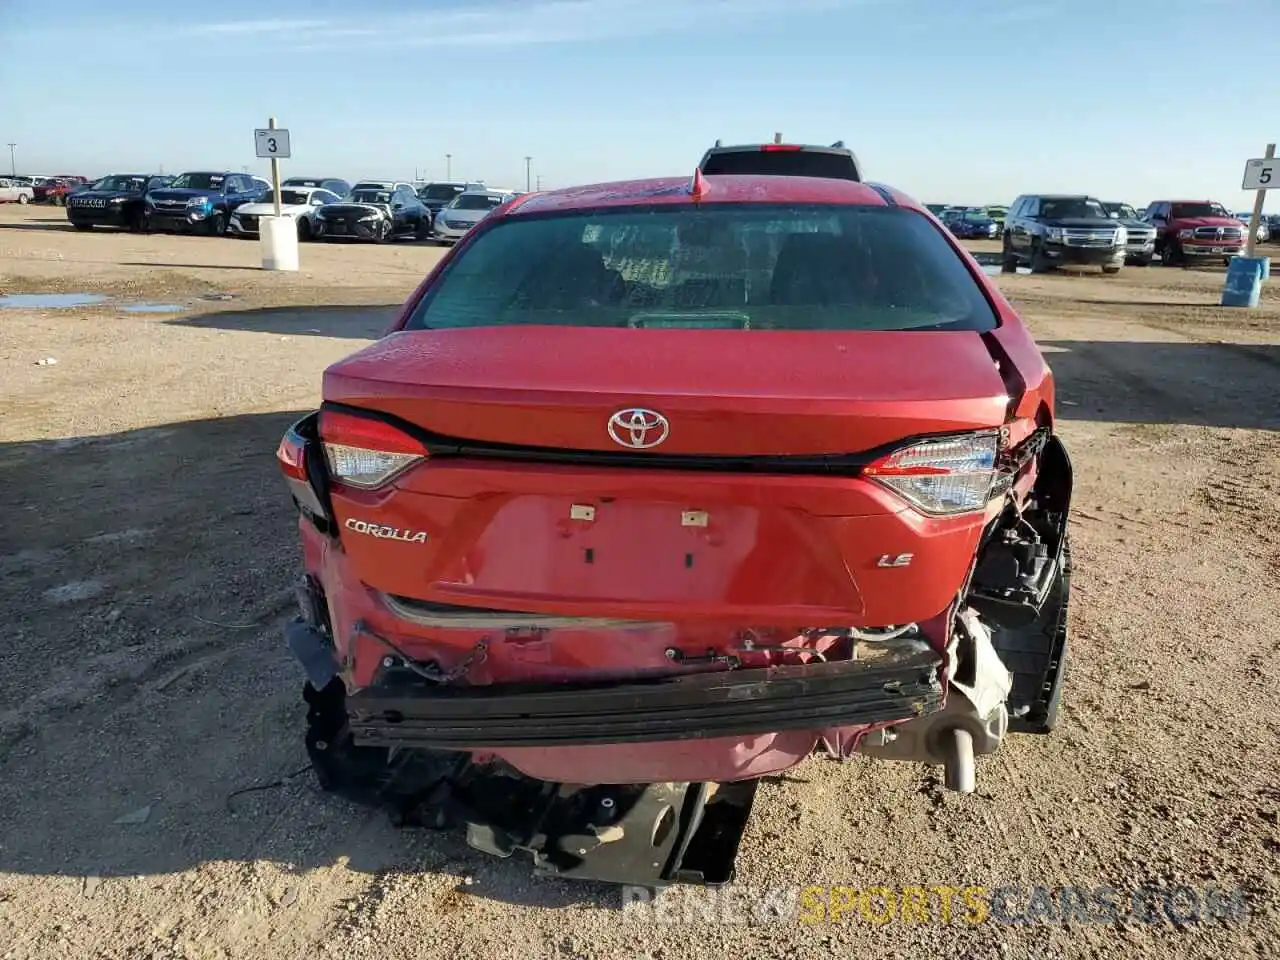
[145, 566]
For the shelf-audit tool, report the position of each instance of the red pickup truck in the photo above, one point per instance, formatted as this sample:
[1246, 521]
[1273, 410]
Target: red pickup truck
[1191, 231]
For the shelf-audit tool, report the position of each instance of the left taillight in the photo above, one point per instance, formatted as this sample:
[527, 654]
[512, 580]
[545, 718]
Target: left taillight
[303, 468]
[365, 452]
[943, 477]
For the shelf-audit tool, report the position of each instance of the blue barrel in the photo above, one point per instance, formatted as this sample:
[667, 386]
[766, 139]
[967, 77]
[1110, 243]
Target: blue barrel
[1244, 281]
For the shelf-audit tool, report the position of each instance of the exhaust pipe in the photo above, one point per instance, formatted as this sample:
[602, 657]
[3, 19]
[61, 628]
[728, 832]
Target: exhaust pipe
[959, 771]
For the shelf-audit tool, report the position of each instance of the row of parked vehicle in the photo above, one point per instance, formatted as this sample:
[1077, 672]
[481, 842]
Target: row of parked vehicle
[324, 208]
[1042, 231]
[40, 189]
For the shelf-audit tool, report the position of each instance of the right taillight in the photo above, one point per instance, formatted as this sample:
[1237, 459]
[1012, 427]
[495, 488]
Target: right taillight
[364, 452]
[941, 477]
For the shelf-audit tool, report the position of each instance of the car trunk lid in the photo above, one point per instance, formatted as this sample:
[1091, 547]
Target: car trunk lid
[727, 393]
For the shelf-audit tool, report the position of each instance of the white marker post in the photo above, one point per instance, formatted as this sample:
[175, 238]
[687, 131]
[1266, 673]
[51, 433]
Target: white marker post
[278, 234]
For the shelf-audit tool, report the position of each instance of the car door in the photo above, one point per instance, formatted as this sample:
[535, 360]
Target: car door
[400, 208]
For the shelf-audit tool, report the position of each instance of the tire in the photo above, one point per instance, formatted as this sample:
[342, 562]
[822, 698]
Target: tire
[304, 229]
[59, 200]
[1008, 259]
[218, 224]
[1172, 255]
[1031, 653]
[22, 199]
[423, 230]
[1111, 270]
[384, 233]
[83, 226]
[1039, 262]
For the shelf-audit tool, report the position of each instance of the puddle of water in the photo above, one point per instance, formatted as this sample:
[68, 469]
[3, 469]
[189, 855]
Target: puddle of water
[45, 301]
[153, 308]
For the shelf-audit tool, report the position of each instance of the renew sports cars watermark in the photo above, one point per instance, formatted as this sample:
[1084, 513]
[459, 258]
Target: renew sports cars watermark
[939, 903]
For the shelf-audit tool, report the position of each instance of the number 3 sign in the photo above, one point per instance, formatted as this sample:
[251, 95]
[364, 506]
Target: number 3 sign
[272, 144]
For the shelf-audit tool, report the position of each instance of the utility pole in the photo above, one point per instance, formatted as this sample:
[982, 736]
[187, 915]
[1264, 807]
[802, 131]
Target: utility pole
[448, 166]
[13, 167]
[528, 176]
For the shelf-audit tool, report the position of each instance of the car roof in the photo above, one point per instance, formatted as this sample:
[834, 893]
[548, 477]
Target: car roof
[668, 191]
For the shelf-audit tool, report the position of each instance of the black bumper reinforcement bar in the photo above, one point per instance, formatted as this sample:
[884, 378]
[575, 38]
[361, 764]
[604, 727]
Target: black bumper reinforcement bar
[899, 684]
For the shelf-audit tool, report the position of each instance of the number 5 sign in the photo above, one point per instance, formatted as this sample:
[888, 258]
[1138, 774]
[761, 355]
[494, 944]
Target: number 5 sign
[1261, 174]
[272, 143]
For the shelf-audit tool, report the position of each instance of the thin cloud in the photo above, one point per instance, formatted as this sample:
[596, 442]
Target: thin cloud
[495, 24]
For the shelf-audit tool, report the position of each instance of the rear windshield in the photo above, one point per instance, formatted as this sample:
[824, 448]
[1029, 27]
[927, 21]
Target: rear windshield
[735, 266]
[440, 191]
[781, 163]
[477, 201]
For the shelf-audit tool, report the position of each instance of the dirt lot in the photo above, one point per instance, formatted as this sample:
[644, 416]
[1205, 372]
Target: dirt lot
[145, 565]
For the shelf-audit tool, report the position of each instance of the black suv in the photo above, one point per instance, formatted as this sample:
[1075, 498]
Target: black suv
[1045, 231]
[113, 201]
[777, 159]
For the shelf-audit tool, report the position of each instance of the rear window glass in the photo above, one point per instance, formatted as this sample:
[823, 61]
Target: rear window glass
[440, 191]
[781, 163]
[735, 266]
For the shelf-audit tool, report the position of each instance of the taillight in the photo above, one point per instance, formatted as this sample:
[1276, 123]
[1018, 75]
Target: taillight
[941, 477]
[291, 455]
[780, 147]
[363, 452]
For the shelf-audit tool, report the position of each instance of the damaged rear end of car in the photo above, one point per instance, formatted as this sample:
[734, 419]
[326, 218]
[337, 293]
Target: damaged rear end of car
[659, 488]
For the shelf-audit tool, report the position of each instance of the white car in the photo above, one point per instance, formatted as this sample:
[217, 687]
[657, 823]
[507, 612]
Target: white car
[301, 203]
[13, 192]
[466, 210]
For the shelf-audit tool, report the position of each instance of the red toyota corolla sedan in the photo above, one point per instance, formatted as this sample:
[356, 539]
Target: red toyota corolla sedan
[658, 487]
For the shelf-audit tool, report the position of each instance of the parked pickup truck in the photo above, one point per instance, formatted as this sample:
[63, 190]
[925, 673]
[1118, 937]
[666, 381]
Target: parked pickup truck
[1140, 249]
[200, 201]
[1192, 231]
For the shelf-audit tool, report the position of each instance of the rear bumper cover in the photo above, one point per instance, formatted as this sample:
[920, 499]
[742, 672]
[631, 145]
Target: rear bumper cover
[902, 683]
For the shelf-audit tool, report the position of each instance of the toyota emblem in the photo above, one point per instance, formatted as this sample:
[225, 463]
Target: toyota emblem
[638, 428]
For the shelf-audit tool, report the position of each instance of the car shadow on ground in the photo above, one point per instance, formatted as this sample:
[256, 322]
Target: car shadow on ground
[357, 323]
[1200, 384]
[150, 714]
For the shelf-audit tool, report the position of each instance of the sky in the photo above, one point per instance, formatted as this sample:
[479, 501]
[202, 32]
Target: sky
[952, 101]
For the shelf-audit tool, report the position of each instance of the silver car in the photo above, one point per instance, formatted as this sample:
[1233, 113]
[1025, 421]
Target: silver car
[1264, 228]
[466, 210]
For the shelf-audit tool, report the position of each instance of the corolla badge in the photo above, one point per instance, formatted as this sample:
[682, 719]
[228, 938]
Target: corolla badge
[638, 428]
[383, 532]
